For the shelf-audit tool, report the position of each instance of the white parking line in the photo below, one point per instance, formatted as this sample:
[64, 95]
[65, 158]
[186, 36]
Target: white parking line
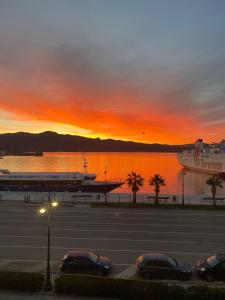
[127, 273]
[113, 239]
[115, 215]
[127, 212]
[38, 267]
[102, 249]
[58, 229]
[118, 224]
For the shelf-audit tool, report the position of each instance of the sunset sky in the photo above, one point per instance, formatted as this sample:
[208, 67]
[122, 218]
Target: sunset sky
[142, 70]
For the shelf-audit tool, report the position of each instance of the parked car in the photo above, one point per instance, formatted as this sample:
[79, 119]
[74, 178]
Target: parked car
[212, 267]
[85, 262]
[158, 265]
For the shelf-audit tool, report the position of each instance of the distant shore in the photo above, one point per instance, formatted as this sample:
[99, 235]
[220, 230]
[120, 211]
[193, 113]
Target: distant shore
[48, 141]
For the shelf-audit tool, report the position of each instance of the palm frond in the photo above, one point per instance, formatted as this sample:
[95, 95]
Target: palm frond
[134, 181]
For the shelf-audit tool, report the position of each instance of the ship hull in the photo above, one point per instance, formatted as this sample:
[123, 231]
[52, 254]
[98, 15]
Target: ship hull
[87, 188]
[210, 164]
[206, 171]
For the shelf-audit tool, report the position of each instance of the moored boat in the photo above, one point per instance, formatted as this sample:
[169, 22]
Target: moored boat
[54, 181]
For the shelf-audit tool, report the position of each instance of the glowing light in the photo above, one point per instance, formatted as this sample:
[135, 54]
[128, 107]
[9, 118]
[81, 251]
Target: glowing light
[54, 203]
[42, 210]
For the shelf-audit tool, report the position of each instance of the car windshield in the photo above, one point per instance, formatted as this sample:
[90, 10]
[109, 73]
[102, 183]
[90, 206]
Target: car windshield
[93, 257]
[172, 262]
[212, 261]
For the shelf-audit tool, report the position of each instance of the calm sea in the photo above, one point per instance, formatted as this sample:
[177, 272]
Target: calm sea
[118, 165]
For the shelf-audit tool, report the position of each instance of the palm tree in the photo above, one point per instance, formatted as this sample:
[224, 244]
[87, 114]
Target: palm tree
[134, 181]
[215, 182]
[157, 181]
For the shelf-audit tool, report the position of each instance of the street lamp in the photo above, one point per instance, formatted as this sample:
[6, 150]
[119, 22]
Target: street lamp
[50, 204]
[183, 173]
[105, 172]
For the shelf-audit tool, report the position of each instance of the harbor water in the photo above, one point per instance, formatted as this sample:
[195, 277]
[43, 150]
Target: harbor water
[117, 165]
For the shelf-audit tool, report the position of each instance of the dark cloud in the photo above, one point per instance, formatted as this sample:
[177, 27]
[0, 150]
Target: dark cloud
[106, 68]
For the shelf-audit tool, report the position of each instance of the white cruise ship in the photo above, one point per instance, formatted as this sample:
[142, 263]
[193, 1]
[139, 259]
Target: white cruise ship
[205, 158]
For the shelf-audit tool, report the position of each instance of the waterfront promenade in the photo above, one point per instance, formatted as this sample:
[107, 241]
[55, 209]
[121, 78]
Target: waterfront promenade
[82, 198]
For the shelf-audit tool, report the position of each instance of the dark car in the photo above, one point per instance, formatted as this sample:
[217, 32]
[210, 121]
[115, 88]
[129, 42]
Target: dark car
[212, 267]
[85, 262]
[158, 265]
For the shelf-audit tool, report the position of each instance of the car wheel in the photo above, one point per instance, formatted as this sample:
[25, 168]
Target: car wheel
[104, 273]
[208, 277]
[65, 270]
[183, 276]
[146, 275]
[99, 272]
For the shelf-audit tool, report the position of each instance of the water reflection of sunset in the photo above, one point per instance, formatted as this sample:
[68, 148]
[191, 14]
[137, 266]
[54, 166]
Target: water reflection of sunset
[118, 165]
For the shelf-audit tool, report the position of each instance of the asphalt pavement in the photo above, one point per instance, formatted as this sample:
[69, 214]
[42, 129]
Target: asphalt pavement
[120, 234]
[11, 295]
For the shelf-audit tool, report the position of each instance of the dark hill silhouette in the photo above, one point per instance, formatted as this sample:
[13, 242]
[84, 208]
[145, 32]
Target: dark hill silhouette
[52, 142]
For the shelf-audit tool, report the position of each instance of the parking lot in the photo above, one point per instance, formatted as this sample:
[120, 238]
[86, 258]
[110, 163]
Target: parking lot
[120, 234]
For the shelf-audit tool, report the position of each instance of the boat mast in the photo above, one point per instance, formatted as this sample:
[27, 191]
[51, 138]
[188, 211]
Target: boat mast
[85, 164]
[105, 173]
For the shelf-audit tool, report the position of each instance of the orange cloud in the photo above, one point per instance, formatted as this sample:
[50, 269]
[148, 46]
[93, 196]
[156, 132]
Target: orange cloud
[140, 126]
[107, 109]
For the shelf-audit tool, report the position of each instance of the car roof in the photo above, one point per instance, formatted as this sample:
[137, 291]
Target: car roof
[78, 253]
[155, 256]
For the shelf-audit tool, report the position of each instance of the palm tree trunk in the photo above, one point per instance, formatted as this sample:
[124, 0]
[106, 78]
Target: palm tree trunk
[214, 200]
[105, 199]
[157, 198]
[134, 198]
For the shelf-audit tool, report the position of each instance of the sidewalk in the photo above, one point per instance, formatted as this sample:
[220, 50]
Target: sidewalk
[11, 295]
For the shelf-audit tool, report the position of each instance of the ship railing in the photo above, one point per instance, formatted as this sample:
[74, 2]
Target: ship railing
[108, 181]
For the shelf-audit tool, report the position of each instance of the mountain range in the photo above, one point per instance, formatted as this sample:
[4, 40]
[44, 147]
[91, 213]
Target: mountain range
[48, 141]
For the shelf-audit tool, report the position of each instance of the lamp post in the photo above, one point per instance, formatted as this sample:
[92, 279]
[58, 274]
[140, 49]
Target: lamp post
[105, 172]
[183, 173]
[50, 204]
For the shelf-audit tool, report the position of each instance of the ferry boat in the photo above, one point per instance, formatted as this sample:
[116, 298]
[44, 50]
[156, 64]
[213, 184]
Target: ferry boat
[54, 181]
[208, 158]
